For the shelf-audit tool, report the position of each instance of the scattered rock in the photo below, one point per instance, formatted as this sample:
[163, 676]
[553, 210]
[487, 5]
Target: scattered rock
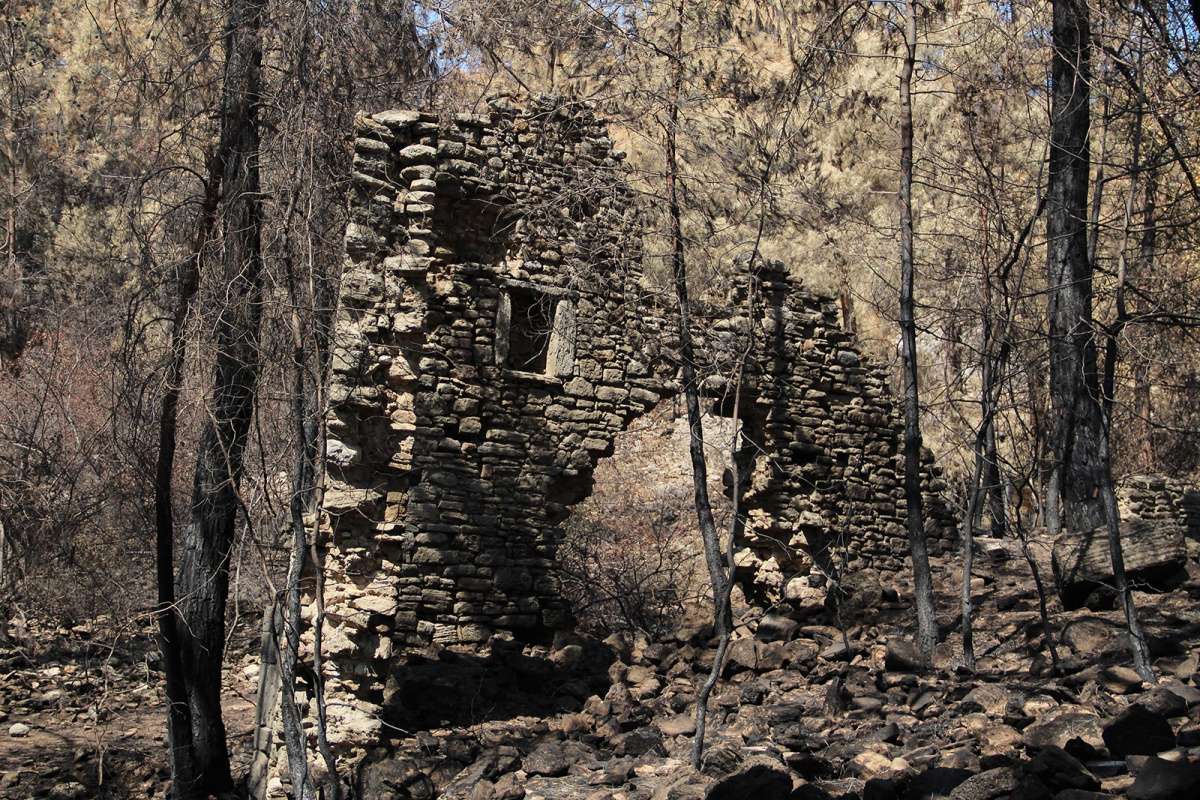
[839, 650]
[553, 758]
[999, 740]
[869, 764]
[683, 784]
[1172, 700]
[1060, 728]
[679, 725]
[18, 729]
[759, 778]
[71, 790]
[1160, 779]
[935, 782]
[1093, 636]
[988, 785]
[638, 742]
[776, 628]
[393, 778]
[902, 656]
[1138, 731]
[1120, 679]
[1058, 770]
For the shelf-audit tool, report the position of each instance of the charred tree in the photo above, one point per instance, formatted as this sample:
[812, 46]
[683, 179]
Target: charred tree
[1139, 650]
[204, 565]
[918, 546]
[719, 579]
[1073, 496]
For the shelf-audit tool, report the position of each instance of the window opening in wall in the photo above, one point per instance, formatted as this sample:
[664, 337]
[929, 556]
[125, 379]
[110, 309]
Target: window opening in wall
[532, 323]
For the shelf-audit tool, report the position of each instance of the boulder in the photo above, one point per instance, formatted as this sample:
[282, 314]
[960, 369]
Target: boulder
[638, 742]
[721, 758]
[859, 593]
[1058, 770]
[991, 784]
[754, 655]
[1155, 557]
[386, 777]
[69, 790]
[902, 656]
[775, 628]
[869, 764]
[1159, 779]
[1138, 732]
[999, 740]
[1094, 636]
[680, 725]
[1190, 696]
[759, 777]
[553, 758]
[935, 782]
[1120, 679]
[742, 655]
[509, 787]
[1060, 728]
[990, 698]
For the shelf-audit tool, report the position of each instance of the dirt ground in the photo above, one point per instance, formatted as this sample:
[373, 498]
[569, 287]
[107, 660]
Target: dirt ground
[81, 711]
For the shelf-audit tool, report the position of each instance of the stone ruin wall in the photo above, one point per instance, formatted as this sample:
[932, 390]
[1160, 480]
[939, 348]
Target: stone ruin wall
[1157, 497]
[453, 459]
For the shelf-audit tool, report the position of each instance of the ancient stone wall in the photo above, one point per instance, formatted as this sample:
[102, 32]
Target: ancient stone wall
[494, 335]
[1157, 497]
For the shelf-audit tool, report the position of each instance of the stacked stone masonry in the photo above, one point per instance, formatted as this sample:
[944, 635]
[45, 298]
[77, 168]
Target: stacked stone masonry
[1157, 497]
[494, 334]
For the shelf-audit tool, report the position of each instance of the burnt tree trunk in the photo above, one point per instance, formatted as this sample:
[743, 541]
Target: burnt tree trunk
[13, 328]
[1143, 405]
[204, 565]
[997, 513]
[1138, 648]
[183, 765]
[922, 581]
[978, 486]
[719, 580]
[1073, 496]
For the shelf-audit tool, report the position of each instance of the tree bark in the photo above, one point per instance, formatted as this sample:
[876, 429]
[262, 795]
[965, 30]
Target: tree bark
[993, 486]
[307, 408]
[1143, 404]
[719, 580]
[204, 565]
[1073, 497]
[12, 313]
[918, 547]
[1139, 650]
[184, 770]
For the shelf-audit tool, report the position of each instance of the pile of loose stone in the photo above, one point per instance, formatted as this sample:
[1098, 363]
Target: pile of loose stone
[807, 710]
